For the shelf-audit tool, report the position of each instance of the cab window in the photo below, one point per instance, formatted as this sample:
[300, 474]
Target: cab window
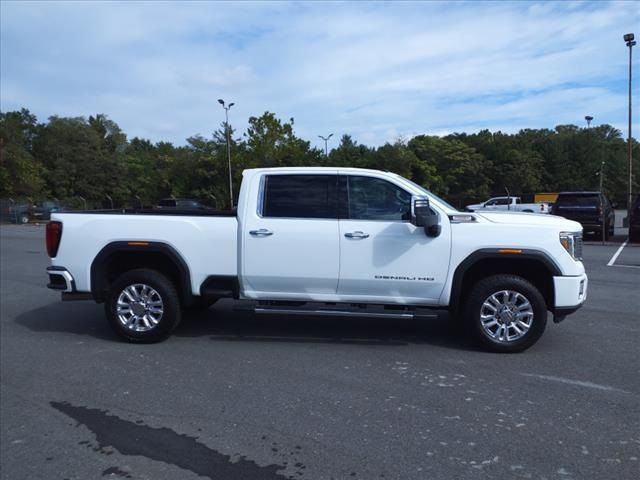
[300, 196]
[372, 198]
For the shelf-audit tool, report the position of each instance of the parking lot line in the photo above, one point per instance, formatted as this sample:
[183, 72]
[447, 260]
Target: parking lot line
[618, 252]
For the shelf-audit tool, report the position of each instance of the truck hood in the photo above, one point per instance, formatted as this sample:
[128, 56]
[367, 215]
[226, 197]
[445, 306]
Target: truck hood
[521, 218]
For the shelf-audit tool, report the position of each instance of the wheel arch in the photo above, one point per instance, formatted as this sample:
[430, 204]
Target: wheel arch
[532, 265]
[116, 258]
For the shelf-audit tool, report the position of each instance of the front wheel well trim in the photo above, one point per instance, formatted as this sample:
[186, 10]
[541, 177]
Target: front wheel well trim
[546, 267]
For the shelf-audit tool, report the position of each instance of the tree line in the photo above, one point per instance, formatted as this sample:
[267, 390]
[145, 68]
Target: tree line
[78, 160]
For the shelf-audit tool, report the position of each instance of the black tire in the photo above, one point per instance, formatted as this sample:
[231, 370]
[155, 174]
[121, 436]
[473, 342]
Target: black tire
[483, 290]
[23, 219]
[146, 327]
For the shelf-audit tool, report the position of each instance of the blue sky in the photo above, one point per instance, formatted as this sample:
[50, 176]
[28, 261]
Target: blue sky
[375, 70]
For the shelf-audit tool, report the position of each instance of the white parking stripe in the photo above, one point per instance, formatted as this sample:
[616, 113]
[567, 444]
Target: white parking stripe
[615, 255]
[579, 383]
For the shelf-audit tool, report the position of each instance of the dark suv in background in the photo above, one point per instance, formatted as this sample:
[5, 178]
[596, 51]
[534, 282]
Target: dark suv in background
[634, 222]
[591, 209]
[25, 212]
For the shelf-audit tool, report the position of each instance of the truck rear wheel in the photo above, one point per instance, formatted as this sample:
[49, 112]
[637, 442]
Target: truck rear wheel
[143, 306]
[506, 313]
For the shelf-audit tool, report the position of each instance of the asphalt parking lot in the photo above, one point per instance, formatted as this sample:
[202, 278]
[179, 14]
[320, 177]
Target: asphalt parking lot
[231, 396]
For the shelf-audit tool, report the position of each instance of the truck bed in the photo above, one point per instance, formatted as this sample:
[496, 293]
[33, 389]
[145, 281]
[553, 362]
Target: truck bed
[157, 211]
[207, 241]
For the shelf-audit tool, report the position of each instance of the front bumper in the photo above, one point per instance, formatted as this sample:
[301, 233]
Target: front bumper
[570, 292]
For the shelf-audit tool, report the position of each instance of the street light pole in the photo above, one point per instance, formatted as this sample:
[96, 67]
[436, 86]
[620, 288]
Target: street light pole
[628, 38]
[326, 139]
[588, 118]
[228, 132]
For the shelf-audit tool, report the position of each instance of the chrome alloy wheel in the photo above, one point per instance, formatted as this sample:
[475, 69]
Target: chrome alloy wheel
[139, 307]
[506, 316]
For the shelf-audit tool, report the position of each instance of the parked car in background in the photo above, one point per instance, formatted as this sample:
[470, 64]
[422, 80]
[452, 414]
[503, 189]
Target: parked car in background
[25, 212]
[14, 212]
[592, 209]
[182, 204]
[43, 210]
[634, 222]
[510, 204]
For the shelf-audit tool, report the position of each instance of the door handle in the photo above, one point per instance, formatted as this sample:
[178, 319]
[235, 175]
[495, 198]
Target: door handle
[357, 234]
[263, 232]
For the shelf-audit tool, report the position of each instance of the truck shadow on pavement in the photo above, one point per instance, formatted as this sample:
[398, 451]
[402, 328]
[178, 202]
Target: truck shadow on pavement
[224, 325]
[79, 318]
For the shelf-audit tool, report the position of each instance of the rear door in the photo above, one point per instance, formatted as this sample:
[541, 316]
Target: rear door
[290, 242]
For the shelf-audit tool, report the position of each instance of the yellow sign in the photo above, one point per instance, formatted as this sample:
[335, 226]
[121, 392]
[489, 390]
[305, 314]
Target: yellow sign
[545, 197]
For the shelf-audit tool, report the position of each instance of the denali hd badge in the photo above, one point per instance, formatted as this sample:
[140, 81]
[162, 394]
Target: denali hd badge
[411, 279]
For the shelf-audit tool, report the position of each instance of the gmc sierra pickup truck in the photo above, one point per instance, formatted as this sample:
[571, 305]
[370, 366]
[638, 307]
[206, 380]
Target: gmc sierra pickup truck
[324, 241]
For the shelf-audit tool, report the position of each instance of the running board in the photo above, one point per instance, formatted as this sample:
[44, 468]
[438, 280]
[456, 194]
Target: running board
[332, 312]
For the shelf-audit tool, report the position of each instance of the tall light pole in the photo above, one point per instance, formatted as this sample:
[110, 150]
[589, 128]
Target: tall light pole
[588, 118]
[228, 132]
[628, 38]
[326, 139]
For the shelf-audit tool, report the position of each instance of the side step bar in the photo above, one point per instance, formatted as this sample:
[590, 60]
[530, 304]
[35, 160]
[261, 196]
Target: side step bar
[346, 311]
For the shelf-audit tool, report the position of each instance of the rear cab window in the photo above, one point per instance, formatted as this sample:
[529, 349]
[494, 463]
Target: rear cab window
[300, 196]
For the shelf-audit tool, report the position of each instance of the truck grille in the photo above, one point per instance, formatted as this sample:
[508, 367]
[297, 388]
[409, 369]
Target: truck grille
[578, 247]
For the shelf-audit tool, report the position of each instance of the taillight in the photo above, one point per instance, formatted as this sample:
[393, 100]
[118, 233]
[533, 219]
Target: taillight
[54, 234]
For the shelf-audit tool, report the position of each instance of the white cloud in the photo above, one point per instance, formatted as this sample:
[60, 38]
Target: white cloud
[373, 70]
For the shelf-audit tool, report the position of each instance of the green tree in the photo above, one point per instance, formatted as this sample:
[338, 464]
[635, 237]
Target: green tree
[461, 171]
[21, 175]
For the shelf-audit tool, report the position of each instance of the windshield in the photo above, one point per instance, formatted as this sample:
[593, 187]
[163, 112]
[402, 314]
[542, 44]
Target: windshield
[427, 192]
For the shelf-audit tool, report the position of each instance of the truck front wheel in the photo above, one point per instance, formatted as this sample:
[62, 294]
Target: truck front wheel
[506, 313]
[143, 306]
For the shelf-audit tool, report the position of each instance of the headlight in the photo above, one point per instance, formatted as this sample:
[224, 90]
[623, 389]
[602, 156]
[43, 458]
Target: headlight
[572, 243]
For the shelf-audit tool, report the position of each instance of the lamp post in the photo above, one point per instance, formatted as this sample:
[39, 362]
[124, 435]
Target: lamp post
[588, 118]
[226, 127]
[326, 139]
[628, 38]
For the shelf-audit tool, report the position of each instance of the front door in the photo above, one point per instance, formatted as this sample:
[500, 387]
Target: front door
[383, 257]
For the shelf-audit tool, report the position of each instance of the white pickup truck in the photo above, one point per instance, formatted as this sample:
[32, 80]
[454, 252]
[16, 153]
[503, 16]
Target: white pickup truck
[324, 241]
[512, 204]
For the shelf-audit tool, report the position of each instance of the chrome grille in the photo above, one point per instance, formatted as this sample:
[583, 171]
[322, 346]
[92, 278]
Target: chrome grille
[577, 248]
